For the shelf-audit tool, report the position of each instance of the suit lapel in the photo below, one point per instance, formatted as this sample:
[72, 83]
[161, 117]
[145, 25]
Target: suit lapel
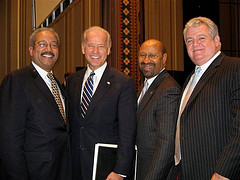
[39, 82]
[148, 95]
[211, 70]
[78, 88]
[103, 86]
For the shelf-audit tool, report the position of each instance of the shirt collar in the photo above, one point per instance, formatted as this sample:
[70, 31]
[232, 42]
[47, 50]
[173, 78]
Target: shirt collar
[207, 64]
[98, 72]
[150, 81]
[40, 71]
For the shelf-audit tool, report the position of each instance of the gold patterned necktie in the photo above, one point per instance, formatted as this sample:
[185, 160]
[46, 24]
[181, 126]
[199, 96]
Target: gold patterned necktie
[56, 95]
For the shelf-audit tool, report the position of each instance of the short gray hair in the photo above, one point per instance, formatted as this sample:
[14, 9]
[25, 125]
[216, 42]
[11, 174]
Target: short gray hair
[99, 29]
[197, 21]
[32, 38]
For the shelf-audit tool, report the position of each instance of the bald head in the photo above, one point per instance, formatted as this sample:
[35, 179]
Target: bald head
[153, 43]
[152, 58]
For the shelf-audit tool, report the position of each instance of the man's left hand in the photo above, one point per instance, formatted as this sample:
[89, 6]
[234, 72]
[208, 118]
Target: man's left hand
[217, 176]
[114, 176]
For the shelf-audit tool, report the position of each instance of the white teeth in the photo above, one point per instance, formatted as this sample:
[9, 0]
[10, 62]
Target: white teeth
[94, 57]
[47, 55]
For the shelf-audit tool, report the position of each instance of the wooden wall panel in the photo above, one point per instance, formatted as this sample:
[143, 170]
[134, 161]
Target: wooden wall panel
[163, 21]
[15, 32]
[70, 26]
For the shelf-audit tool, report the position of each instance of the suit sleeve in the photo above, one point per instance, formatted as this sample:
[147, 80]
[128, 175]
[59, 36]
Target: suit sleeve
[127, 128]
[13, 112]
[165, 131]
[228, 164]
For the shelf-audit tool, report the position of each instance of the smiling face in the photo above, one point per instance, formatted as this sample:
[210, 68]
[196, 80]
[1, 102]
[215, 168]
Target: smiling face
[95, 49]
[45, 51]
[201, 47]
[151, 58]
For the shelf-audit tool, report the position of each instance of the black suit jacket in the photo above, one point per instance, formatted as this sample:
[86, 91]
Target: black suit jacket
[156, 128]
[110, 118]
[210, 123]
[34, 138]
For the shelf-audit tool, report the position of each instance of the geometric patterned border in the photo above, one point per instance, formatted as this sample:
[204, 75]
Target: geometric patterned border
[129, 36]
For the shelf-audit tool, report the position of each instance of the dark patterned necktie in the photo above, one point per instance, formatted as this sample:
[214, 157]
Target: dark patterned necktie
[87, 94]
[56, 95]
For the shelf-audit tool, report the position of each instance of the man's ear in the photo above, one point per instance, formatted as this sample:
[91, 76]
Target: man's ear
[108, 51]
[217, 40]
[83, 49]
[30, 48]
[164, 59]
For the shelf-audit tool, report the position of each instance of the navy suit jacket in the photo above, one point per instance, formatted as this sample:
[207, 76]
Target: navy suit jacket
[210, 123]
[34, 138]
[110, 118]
[156, 128]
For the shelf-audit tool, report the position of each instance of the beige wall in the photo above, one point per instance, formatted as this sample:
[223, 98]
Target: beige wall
[163, 21]
[44, 8]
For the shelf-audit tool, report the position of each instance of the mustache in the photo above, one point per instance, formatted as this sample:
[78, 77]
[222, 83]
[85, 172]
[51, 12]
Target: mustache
[145, 64]
[48, 53]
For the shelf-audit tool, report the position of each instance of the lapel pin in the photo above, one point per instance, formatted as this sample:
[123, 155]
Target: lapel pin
[108, 83]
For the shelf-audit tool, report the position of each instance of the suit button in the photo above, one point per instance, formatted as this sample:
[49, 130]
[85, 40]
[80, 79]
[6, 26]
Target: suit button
[81, 128]
[78, 147]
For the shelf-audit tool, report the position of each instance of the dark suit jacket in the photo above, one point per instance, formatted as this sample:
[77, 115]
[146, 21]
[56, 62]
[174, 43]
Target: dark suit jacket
[156, 128]
[210, 123]
[110, 118]
[34, 141]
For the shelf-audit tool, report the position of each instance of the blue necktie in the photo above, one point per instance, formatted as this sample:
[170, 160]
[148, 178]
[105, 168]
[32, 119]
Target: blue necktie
[87, 94]
[192, 85]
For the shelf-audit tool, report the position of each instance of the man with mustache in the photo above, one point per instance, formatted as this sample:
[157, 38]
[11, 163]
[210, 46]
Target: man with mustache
[157, 104]
[34, 131]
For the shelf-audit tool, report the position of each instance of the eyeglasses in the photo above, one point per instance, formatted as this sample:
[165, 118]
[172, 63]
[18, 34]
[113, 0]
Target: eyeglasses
[150, 56]
[44, 44]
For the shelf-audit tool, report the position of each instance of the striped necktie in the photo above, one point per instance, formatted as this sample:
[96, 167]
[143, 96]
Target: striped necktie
[87, 94]
[56, 95]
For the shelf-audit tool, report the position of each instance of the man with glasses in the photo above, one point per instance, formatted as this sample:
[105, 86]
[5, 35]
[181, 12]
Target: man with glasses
[34, 131]
[157, 105]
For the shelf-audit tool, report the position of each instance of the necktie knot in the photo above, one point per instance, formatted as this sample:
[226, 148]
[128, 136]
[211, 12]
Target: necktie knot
[50, 76]
[196, 76]
[92, 74]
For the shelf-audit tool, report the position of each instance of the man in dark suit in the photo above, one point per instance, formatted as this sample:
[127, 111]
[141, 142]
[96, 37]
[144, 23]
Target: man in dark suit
[208, 131]
[157, 104]
[34, 135]
[111, 113]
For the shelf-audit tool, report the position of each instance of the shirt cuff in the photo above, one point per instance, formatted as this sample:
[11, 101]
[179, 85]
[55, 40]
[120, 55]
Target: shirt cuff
[122, 175]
